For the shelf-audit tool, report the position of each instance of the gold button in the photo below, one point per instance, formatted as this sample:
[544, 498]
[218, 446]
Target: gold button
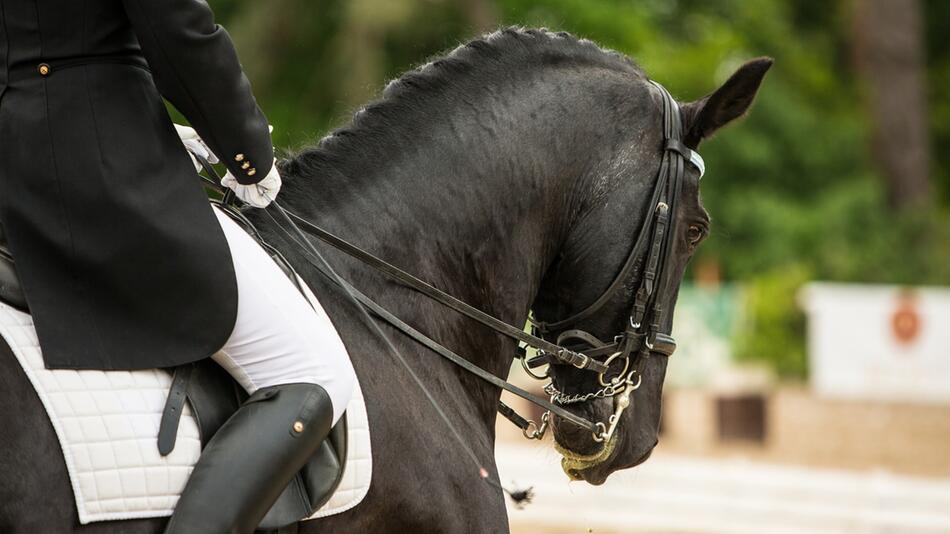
[246, 165]
[239, 157]
[252, 172]
[44, 69]
[298, 427]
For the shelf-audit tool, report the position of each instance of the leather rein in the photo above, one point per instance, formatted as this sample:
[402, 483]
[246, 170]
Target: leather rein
[640, 337]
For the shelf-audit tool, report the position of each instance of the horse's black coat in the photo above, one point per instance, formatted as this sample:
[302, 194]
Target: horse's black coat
[517, 166]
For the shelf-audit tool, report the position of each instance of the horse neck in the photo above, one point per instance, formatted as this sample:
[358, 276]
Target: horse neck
[478, 206]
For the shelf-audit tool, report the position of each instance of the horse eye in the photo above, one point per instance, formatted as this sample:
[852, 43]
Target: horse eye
[695, 234]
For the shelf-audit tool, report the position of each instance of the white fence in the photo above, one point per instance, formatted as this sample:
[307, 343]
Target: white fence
[879, 342]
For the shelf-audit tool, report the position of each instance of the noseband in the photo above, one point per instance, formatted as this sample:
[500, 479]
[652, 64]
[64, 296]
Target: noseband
[640, 338]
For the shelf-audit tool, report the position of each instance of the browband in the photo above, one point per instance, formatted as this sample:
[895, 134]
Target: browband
[689, 154]
[697, 162]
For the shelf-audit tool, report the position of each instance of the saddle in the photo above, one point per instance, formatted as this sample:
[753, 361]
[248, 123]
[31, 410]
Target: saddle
[213, 396]
[10, 290]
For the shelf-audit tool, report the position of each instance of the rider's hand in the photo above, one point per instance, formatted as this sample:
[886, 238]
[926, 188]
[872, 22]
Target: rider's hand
[258, 195]
[194, 145]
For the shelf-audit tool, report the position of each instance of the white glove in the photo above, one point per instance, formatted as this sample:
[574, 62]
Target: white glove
[195, 145]
[258, 195]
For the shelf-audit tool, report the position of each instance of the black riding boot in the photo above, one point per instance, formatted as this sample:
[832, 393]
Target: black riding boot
[252, 458]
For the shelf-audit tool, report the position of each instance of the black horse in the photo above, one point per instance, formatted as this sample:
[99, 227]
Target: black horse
[514, 173]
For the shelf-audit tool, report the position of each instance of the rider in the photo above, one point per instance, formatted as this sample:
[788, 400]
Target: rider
[124, 263]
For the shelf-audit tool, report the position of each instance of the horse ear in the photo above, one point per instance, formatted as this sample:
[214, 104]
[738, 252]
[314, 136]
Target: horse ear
[706, 115]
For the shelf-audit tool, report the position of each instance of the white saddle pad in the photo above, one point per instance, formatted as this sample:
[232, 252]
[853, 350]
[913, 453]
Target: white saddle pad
[107, 425]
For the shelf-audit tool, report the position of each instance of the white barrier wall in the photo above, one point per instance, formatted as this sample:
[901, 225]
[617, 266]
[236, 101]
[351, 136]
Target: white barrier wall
[878, 342]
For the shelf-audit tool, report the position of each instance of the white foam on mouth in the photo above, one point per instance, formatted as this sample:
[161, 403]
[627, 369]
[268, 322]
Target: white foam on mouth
[573, 461]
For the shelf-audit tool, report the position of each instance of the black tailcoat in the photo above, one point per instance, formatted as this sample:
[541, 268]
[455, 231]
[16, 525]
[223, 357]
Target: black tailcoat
[122, 261]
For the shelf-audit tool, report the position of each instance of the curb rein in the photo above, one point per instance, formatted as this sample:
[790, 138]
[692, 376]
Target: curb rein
[639, 338]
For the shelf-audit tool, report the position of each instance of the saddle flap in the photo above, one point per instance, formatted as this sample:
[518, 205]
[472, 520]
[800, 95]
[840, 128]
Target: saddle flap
[214, 396]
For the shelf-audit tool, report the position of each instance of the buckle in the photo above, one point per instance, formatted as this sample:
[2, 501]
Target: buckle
[584, 359]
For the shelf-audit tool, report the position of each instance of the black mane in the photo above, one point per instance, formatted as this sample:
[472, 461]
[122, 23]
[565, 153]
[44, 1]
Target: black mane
[409, 102]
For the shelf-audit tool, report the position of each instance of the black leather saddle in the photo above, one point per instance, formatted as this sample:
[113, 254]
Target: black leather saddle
[10, 290]
[213, 396]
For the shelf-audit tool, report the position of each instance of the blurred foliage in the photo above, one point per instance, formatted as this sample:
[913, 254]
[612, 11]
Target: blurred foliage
[774, 328]
[937, 21]
[791, 188]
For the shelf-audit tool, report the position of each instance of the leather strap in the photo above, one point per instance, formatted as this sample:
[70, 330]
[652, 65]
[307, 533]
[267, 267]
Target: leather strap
[423, 339]
[174, 404]
[625, 271]
[513, 416]
[581, 335]
[581, 361]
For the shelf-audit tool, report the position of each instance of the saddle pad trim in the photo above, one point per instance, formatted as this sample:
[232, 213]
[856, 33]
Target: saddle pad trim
[47, 405]
[14, 327]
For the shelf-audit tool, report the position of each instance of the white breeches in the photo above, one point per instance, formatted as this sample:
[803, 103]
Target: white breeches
[278, 337]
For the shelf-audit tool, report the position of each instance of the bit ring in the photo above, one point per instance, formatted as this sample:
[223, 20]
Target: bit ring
[524, 365]
[620, 377]
[600, 432]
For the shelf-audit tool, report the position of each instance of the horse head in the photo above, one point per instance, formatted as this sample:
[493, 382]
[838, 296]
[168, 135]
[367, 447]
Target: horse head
[583, 282]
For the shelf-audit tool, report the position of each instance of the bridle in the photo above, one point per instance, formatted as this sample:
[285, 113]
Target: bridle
[641, 337]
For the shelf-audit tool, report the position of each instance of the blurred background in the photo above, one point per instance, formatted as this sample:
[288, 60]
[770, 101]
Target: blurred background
[811, 392]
